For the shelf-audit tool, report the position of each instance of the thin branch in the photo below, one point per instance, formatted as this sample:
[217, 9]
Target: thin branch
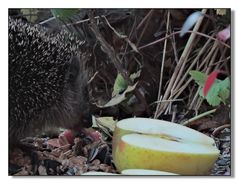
[47, 20]
[178, 32]
[220, 128]
[133, 46]
[180, 66]
[92, 78]
[146, 18]
[82, 21]
[163, 101]
[162, 65]
[198, 117]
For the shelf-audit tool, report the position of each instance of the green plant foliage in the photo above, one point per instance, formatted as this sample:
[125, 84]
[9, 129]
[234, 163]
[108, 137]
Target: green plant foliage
[64, 13]
[120, 85]
[219, 92]
[224, 86]
[199, 77]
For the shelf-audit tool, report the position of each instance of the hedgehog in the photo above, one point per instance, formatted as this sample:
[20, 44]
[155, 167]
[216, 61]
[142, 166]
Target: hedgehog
[47, 81]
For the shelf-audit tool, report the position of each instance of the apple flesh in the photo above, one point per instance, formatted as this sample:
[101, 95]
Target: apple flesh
[142, 143]
[144, 172]
[98, 173]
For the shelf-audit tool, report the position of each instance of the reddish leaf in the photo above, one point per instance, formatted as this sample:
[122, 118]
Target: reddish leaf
[210, 81]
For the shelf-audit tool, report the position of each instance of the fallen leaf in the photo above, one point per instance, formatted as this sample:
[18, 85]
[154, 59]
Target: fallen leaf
[108, 122]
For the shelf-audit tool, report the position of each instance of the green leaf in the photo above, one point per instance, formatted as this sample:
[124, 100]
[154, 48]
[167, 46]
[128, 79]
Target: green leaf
[199, 77]
[120, 85]
[224, 92]
[225, 83]
[219, 92]
[64, 13]
[118, 98]
[212, 96]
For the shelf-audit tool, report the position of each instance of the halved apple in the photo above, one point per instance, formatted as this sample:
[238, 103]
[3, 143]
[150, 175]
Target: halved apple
[142, 143]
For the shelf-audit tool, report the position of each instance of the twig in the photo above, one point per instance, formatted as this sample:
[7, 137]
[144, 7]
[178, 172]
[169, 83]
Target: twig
[193, 63]
[107, 48]
[194, 99]
[82, 21]
[146, 18]
[178, 32]
[198, 117]
[133, 46]
[48, 20]
[187, 50]
[92, 78]
[162, 66]
[180, 66]
[163, 101]
[173, 42]
[174, 113]
[218, 129]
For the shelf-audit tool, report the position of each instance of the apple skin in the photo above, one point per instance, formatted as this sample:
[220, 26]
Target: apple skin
[128, 156]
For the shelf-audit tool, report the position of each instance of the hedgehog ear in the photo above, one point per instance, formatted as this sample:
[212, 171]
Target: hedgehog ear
[74, 69]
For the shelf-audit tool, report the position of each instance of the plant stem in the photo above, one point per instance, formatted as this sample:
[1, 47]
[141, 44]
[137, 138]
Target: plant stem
[198, 117]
